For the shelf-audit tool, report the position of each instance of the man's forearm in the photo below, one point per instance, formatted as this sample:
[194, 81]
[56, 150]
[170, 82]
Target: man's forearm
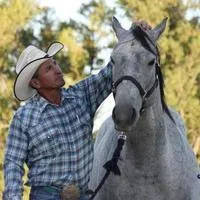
[13, 174]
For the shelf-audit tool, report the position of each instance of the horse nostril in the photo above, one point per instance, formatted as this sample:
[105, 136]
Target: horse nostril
[116, 115]
[133, 114]
[113, 114]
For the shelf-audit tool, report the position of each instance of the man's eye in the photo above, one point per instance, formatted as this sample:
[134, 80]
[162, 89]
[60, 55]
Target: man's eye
[54, 62]
[49, 67]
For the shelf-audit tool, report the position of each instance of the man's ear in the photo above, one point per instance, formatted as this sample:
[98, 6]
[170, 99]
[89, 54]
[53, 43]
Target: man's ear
[34, 83]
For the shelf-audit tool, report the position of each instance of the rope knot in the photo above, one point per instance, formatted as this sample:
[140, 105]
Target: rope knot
[111, 165]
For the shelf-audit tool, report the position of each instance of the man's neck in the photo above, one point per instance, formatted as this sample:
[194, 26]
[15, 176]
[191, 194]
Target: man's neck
[53, 96]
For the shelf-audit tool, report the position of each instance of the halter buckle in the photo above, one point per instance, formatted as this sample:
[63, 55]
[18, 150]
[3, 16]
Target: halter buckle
[122, 136]
[144, 96]
[113, 88]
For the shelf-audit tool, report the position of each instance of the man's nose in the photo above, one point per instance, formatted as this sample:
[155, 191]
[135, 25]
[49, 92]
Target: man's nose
[57, 69]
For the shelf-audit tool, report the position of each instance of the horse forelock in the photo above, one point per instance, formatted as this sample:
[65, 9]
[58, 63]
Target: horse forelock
[145, 39]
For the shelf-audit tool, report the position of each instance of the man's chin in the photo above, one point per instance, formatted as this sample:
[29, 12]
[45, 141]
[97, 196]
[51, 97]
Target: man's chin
[62, 83]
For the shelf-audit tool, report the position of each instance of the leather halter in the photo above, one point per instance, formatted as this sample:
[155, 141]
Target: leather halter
[144, 94]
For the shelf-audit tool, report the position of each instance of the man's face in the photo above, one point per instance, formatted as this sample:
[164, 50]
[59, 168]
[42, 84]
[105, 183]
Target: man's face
[50, 76]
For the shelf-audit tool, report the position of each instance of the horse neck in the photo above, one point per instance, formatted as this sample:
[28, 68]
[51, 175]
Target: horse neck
[148, 138]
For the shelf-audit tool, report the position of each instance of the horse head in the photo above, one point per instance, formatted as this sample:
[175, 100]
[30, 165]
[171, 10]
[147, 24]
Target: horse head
[136, 72]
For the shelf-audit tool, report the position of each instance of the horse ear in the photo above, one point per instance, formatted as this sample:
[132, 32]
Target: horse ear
[119, 30]
[158, 30]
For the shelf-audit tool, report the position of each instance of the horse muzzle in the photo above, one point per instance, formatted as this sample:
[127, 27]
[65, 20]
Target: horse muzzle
[124, 117]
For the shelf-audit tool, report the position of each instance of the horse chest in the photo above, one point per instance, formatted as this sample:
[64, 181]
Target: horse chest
[134, 184]
[166, 172]
[152, 180]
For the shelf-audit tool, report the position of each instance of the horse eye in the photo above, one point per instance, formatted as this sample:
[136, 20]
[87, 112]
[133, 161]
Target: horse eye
[151, 62]
[112, 61]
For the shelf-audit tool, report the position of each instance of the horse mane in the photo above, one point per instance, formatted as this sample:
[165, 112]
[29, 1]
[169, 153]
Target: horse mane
[145, 39]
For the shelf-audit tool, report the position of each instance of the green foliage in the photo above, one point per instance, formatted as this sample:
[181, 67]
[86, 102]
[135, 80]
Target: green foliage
[96, 30]
[76, 54]
[14, 14]
[10, 25]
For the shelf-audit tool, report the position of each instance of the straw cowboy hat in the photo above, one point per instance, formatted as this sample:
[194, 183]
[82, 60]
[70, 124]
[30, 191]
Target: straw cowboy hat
[29, 61]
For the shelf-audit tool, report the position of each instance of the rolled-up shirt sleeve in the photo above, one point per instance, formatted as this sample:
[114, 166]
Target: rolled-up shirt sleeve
[15, 155]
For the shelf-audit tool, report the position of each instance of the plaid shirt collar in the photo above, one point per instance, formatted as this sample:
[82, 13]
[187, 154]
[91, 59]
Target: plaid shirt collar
[42, 102]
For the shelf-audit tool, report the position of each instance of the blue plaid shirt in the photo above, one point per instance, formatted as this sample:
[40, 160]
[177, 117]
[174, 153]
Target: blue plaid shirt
[55, 141]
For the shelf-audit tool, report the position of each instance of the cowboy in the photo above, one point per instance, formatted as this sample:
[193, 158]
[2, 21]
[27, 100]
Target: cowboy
[52, 131]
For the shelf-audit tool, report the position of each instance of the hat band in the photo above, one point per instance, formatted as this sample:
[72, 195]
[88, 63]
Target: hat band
[46, 56]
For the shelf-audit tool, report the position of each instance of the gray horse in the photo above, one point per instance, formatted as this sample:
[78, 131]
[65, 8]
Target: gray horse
[156, 162]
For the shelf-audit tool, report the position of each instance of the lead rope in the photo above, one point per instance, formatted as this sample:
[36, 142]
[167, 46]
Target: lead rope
[111, 165]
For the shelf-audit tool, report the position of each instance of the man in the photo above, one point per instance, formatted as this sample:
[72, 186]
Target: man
[52, 132]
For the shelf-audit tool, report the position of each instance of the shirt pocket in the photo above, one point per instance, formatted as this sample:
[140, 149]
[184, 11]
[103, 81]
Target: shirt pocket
[45, 141]
[80, 126]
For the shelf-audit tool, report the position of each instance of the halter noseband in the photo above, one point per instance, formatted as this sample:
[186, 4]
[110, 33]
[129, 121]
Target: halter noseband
[144, 94]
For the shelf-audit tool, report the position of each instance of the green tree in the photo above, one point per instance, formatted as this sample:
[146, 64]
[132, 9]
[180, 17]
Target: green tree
[14, 15]
[10, 26]
[96, 30]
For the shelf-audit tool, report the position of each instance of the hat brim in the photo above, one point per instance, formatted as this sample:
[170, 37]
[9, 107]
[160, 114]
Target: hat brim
[22, 89]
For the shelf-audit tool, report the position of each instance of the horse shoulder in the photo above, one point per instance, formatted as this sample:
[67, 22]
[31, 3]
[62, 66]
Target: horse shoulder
[187, 151]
